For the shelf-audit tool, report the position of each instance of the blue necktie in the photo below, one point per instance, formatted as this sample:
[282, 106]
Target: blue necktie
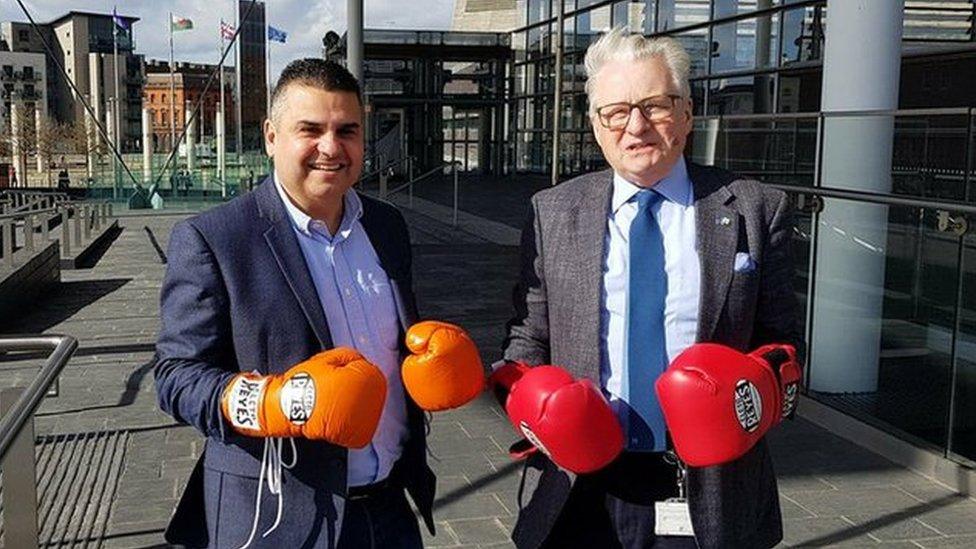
[646, 352]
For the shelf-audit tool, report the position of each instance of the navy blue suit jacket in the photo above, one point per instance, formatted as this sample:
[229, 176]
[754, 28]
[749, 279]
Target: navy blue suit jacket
[237, 297]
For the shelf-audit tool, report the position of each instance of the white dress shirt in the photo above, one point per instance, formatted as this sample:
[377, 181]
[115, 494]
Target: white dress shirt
[676, 217]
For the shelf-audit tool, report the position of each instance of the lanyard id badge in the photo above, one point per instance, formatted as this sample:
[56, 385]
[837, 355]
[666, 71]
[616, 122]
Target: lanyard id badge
[672, 516]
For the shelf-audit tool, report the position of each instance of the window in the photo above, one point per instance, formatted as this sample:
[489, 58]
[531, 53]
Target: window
[8, 70]
[23, 35]
[28, 73]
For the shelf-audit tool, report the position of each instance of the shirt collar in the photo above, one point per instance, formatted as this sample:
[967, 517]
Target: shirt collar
[675, 187]
[352, 211]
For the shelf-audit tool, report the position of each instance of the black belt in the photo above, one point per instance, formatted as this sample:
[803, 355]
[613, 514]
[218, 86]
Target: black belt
[371, 490]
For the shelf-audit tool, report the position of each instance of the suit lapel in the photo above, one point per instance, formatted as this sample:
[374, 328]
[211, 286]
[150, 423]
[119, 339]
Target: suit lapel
[281, 238]
[589, 227]
[717, 231]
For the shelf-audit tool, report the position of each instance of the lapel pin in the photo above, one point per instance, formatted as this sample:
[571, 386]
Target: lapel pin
[724, 221]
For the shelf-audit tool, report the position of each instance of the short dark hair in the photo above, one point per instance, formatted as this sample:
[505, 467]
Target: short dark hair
[317, 73]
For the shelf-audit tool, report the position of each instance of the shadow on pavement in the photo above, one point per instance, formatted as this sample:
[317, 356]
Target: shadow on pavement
[63, 304]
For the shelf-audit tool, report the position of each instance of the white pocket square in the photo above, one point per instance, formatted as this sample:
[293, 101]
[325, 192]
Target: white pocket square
[744, 263]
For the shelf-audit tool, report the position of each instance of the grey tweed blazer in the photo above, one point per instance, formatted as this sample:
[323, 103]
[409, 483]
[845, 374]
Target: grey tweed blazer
[557, 321]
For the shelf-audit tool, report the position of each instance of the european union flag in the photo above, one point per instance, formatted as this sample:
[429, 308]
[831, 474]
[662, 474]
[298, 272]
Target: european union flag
[119, 22]
[277, 35]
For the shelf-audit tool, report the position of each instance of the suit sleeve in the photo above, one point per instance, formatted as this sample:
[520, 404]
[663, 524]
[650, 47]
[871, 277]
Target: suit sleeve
[777, 313]
[194, 361]
[528, 330]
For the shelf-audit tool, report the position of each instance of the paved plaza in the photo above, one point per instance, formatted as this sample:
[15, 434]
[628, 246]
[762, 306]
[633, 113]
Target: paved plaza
[111, 466]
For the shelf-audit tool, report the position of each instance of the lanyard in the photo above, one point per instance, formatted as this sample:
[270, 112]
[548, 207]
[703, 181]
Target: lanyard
[681, 474]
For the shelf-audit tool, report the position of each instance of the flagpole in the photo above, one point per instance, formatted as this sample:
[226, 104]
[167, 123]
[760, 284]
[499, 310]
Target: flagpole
[223, 107]
[267, 62]
[115, 123]
[172, 89]
[237, 70]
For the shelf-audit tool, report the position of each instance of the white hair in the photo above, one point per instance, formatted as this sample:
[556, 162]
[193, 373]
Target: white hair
[618, 44]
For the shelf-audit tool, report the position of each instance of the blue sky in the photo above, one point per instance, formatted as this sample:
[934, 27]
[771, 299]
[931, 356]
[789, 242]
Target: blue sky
[305, 21]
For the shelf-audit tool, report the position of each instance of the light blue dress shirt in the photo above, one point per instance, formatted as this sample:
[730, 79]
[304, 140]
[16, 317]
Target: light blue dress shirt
[676, 217]
[357, 299]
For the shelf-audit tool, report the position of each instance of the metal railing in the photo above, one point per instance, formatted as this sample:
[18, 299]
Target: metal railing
[15, 200]
[454, 165]
[77, 219]
[385, 171]
[17, 459]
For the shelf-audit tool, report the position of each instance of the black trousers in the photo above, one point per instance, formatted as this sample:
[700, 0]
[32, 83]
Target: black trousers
[614, 508]
[379, 519]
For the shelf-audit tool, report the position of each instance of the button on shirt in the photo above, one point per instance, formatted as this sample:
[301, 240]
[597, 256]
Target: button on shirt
[676, 217]
[357, 299]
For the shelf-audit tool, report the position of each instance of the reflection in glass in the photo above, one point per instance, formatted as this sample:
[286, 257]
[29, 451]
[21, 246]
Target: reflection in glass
[916, 287]
[518, 45]
[803, 34]
[963, 436]
[929, 156]
[743, 45]
[947, 21]
[777, 151]
[632, 16]
[591, 24]
[696, 44]
[674, 14]
[538, 10]
[741, 95]
[799, 91]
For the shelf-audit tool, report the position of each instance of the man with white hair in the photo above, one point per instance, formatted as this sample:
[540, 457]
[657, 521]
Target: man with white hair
[621, 271]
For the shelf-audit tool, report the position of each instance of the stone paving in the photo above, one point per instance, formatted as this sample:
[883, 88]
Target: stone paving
[833, 493]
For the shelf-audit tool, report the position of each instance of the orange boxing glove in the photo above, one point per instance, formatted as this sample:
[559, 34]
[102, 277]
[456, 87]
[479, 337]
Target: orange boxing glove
[445, 368]
[336, 396]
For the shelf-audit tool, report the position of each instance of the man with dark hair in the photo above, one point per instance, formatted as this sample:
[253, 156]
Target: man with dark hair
[301, 267]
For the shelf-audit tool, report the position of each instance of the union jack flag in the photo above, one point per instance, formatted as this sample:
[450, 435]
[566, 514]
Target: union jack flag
[226, 30]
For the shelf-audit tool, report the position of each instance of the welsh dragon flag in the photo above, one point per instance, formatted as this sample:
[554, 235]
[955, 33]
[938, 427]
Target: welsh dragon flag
[178, 23]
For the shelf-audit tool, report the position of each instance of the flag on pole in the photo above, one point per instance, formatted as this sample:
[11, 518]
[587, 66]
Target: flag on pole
[226, 30]
[178, 23]
[119, 22]
[277, 35]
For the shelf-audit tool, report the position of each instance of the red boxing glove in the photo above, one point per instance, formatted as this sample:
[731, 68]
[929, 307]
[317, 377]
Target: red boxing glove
[718, 402]
[502, 379]
[781, 359]
[568, 420]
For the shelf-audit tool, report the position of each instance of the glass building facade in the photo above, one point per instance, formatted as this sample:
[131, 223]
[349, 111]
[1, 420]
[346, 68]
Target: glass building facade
[757, 78]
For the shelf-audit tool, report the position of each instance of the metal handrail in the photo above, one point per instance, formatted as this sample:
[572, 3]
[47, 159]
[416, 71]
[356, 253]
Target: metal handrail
[409, 184]
[876, 198]
[21, 215]
[380, 170]
[941, 111]
[23, 410]
[424, 175]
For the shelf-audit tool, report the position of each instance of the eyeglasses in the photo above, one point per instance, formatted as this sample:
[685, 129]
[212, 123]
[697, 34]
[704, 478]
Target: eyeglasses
[616, 116]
